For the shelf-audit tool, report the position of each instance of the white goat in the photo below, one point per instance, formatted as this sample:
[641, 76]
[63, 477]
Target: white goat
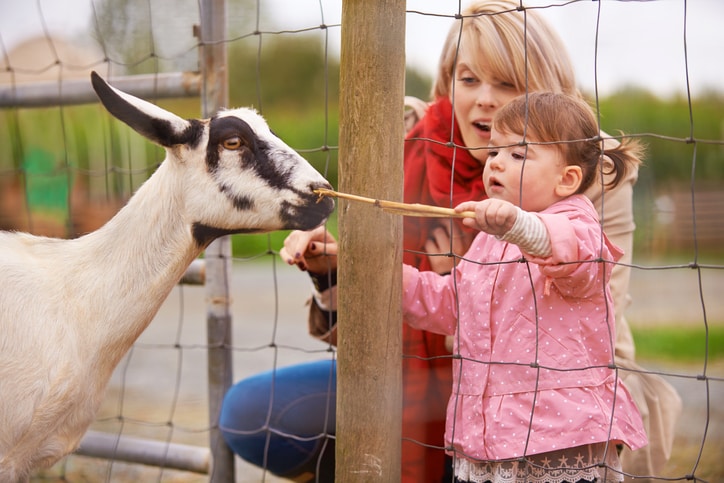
[70, 309]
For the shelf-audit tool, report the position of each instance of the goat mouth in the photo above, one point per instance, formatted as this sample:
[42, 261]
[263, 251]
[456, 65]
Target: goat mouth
[309, 215]
[311, 212]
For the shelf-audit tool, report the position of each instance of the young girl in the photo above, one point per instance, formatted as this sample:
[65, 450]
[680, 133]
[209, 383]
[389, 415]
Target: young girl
[535, 397]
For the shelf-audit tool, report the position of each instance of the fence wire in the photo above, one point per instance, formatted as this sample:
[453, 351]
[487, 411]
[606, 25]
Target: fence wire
[64, 170]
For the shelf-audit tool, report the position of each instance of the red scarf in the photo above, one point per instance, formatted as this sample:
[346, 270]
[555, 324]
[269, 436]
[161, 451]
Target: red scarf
[428, 174]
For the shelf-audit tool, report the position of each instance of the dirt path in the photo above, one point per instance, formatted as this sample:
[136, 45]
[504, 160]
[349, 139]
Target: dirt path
[674, 296]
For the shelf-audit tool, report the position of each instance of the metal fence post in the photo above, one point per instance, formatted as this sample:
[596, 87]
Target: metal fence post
[214, 95]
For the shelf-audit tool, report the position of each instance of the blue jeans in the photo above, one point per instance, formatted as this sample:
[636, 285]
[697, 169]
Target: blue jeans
[299, 404]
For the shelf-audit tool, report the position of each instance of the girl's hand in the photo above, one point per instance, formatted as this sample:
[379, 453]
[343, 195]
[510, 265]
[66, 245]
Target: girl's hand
[491, 216]
[314, 250]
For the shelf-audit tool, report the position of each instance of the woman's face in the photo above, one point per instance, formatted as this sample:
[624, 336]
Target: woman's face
[476, 98]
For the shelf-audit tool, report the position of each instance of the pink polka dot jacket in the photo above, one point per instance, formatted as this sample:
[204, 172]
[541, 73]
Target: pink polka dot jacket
[535, 341]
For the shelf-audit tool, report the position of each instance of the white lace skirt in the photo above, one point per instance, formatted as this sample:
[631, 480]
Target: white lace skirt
[590, 462]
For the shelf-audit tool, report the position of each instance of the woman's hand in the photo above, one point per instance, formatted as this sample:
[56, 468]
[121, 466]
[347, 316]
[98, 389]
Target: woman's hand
[314, 251]
[491, 216]
[440, 242]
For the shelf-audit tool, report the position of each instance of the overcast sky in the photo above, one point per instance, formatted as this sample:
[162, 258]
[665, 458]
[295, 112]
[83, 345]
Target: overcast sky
[640, 42]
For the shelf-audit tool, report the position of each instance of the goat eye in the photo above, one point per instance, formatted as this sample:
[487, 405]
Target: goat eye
[232, 143]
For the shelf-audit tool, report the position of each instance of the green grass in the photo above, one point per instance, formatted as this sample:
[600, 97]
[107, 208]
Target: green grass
[682, 344]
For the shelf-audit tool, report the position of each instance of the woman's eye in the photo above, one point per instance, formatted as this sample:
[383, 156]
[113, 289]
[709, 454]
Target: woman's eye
[232, 143]
[466, 77]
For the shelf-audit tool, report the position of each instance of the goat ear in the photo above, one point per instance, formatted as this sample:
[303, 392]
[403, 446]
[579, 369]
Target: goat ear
[149, 120]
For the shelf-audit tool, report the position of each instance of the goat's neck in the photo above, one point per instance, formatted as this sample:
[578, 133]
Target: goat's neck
[138, 257]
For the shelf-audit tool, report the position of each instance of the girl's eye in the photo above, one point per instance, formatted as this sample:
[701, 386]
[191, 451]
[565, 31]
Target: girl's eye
[518, 156]
[233, 143]
[492, 154]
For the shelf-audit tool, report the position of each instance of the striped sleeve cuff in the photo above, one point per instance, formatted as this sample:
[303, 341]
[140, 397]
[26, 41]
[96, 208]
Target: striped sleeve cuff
[530, 234]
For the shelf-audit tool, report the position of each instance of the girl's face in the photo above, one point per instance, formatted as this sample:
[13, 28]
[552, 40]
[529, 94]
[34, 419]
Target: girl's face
[539, 179]
[476, 98]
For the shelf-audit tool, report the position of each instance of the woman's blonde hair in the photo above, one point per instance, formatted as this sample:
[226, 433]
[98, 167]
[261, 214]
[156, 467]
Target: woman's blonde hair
[515, 44]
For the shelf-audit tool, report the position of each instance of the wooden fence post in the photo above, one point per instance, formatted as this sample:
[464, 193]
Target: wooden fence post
[369, 370]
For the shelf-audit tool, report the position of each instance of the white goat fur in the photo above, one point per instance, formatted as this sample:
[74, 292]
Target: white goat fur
[71, 309]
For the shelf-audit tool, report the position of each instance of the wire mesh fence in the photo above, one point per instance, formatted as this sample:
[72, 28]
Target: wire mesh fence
[65, 169]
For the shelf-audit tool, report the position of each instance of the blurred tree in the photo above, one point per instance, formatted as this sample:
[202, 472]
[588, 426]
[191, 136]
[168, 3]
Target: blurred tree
[417, 84]
[636, 111]
[286, 71]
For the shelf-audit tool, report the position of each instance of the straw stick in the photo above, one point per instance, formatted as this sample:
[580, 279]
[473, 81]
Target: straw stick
[405, 209]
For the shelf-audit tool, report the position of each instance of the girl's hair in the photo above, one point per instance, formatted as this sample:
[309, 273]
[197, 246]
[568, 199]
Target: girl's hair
[516, 46]
[568, 121]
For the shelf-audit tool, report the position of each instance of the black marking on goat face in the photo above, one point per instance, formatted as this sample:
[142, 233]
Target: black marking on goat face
[240, 202]
[310, 214]
[253, 151]
[205, 234]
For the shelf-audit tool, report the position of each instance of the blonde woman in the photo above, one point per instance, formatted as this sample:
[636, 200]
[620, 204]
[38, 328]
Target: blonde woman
[503, 52]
